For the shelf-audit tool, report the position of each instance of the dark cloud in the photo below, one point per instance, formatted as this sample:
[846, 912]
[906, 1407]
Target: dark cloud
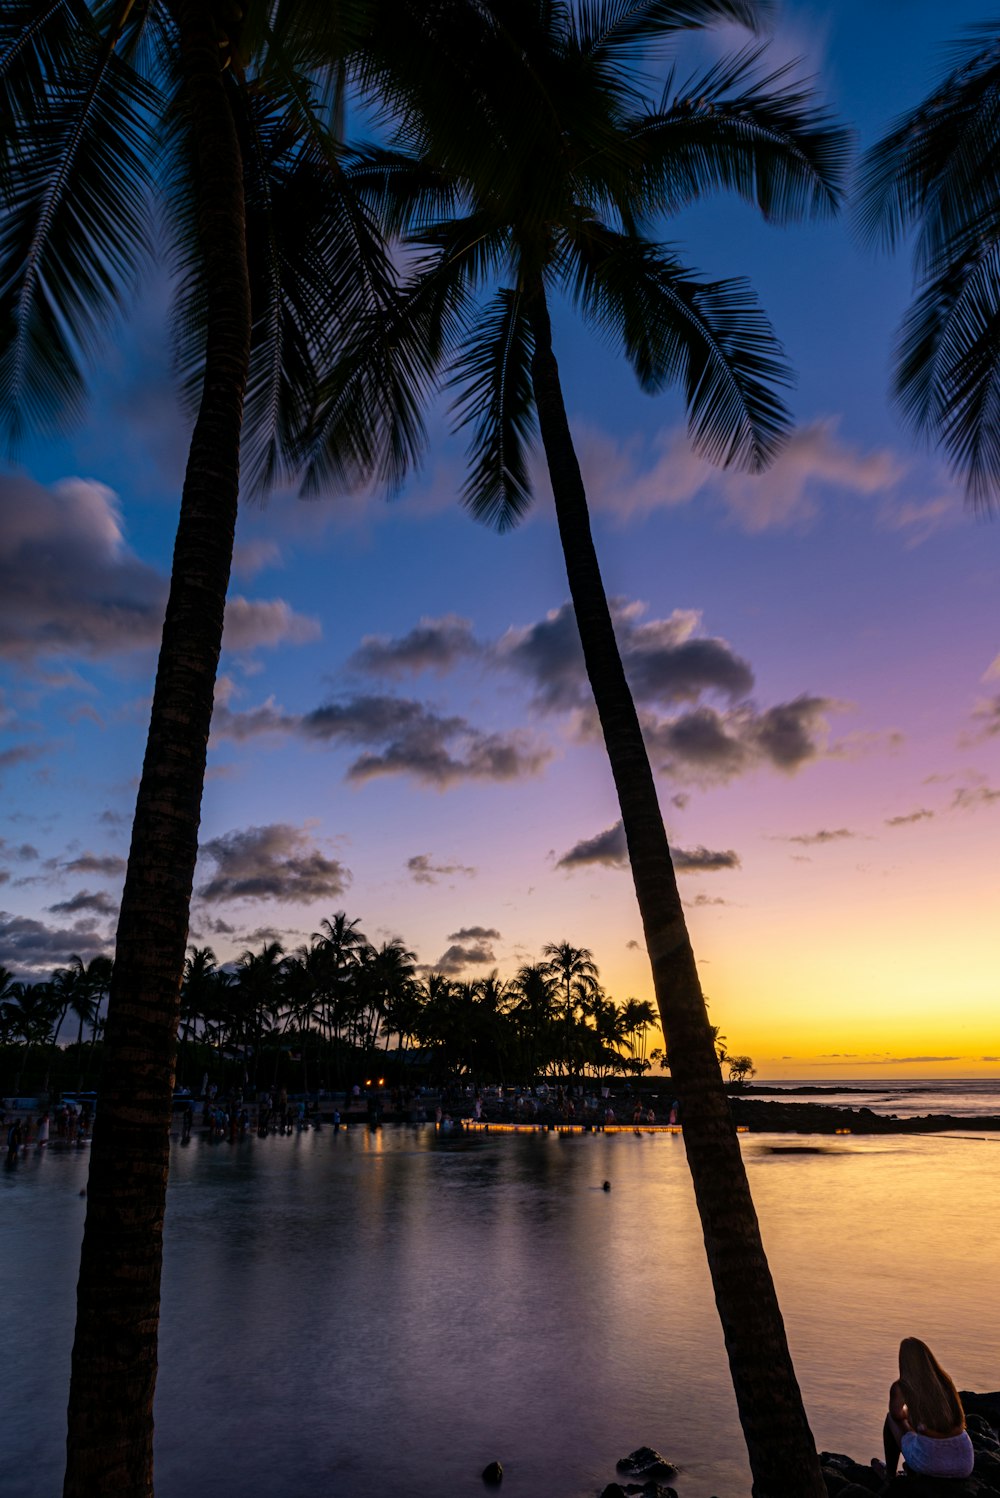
[425, 872]
[69, 585]
[610, 849]
[107, 864]
[703, 860]
[706, 900]
[474, 933]
[400, 737]
[4, 877]
[434, 645]
[824, 835]
[913, 816]
[98, 902]
[28, 945]
[707, 746]
[457, 958]
[276, 862]
[633, 946]
[681, 800]
[664, 660]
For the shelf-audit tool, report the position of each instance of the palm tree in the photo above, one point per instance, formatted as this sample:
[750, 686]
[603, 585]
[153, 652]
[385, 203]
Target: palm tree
[935, 171]
[574, 970]
[542, 169]
[104, 108]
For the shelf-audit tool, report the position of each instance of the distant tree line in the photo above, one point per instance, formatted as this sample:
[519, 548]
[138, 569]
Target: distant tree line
[319, 1015]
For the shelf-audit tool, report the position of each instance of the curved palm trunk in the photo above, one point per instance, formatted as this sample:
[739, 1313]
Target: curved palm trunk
[110, 1435]
[779, 1442]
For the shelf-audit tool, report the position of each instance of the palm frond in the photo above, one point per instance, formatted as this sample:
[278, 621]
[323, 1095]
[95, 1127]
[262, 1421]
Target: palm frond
[75, 230]
[368, 418]
[937, 166]
[624, 29]
[762, 137]
[948, 369]
[709, 336]
[493, 375]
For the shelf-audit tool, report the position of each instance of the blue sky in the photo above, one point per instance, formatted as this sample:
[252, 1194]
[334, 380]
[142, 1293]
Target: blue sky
[402, 728]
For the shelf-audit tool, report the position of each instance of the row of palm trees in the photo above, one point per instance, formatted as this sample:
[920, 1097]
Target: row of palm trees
[32, 1015]
[521, 159]
[339, 1003]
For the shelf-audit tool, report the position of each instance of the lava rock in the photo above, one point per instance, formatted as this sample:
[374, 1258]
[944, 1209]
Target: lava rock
[645, 1462]
[493, 1474]
[613, 1490]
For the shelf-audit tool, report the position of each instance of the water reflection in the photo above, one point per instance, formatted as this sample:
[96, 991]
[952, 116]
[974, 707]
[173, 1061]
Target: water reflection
[401, 1306]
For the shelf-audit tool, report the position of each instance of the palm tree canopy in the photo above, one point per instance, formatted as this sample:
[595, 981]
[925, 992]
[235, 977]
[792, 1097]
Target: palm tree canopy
[540, 160]
[96, 172]
[936, 171]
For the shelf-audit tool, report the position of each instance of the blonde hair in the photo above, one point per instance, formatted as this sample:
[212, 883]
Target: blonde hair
[931, 1397]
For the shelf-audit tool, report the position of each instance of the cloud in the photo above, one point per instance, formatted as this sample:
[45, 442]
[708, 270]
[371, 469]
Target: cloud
[664, 659]
[20, 754]
[106, 864]
[458, 957]
[70, 585]
[23, 853]
[987, 715]
[968, 798]
[707, 746]
[633, 946]
[251, 557]
[99, 902]
[276, 862]
[824, 835]
[609, 848]
[921, 815]
[700, 900]
[631, 479]
[434, 645]
[474, 933]
[400, 737]
[28, 945]
[424, 872]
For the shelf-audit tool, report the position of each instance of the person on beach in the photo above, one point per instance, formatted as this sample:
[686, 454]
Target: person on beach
[43, 1131]
[13, 1141]
[926, 1421]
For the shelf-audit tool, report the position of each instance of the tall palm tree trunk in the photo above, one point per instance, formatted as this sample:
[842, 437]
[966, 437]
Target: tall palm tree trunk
[110, 1435]
[780, 1444]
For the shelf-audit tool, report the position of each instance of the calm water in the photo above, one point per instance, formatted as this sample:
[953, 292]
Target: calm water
[392, 1310]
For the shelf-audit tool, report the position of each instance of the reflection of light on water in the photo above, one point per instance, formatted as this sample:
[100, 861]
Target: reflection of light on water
[481, 1297]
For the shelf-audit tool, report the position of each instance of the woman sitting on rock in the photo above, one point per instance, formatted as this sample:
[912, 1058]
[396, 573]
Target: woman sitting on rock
[926, 1421]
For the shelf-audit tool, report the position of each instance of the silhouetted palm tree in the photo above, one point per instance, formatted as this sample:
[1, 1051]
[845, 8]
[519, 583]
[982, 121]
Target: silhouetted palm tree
[935, 171]
[104, 108]
[543, 169]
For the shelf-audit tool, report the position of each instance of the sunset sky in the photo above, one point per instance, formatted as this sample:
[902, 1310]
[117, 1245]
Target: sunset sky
[403, 727]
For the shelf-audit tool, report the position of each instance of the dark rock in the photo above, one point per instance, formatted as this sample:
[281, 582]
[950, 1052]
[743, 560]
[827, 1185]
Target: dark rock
[493, 1474]
[645, 1462]
[613, 1490]
[985, 1405]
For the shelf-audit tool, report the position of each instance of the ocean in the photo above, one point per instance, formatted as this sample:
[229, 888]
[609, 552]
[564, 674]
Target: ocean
[904, 1096]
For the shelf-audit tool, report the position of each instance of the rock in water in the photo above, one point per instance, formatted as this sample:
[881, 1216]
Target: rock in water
[613, 1490]
[493, 1474]
[645, 1462]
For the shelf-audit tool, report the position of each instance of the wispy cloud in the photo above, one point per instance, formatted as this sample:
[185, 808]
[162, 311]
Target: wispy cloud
[423, 871]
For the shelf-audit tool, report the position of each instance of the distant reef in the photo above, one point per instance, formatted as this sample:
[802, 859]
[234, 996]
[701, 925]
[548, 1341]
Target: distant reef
[817, 1118]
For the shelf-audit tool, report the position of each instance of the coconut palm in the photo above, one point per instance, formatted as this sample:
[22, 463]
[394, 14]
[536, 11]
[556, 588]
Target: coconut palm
[935, 171]
[542, 169]
[105, 108]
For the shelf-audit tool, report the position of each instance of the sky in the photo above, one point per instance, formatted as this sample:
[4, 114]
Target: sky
[403, 729]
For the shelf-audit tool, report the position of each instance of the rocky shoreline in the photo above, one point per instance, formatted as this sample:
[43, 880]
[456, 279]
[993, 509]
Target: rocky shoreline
[847, 1478]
